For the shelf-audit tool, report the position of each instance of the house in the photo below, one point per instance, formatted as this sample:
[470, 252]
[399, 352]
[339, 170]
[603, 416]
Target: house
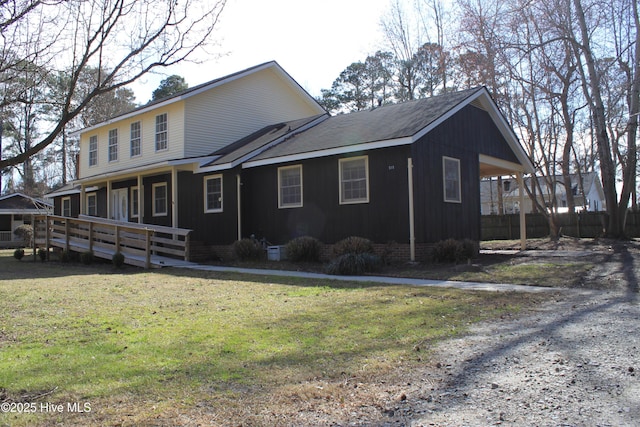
[586, 189]
[254, 154]
[15, 210]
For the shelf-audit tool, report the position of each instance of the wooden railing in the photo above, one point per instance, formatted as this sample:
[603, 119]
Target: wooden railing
[143, 245]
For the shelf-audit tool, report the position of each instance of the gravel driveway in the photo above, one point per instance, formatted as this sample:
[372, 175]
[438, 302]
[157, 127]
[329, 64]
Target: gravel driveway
[572, 362]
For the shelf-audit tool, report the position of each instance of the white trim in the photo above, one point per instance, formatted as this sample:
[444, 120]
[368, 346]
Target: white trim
[366, 171]
[290, 205]
[112, 135]
[139, 123]
[166, 196]
[62, 200]
[331, 152]
[205, 180]
[156, 133]
[444, 180]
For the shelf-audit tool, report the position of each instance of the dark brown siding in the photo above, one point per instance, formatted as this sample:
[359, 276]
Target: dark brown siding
[383, 219]
[464, 136]
[148, 200]
[75, 205]
[219, 228]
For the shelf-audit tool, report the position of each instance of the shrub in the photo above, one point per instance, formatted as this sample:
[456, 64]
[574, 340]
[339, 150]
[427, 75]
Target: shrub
[118, 259]
[354, 264]
[246, 250]
[353, 245]
[451, 250]
[42, 253]
[25, 231]
[18, 254]
[86, 257]
[65, 256]
[303, 248]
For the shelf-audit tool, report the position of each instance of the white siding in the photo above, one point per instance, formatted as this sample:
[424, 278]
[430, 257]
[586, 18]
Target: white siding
[175, 150]
[224, 115]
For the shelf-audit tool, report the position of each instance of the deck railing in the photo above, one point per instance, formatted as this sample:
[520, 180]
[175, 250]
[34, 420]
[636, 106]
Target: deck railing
[141, 244]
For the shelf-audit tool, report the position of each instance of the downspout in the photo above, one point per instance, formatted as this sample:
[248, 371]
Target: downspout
[412, 226]
[239, 205]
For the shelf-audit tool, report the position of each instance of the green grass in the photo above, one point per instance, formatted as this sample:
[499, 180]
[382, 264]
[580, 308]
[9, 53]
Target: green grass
[141, 346]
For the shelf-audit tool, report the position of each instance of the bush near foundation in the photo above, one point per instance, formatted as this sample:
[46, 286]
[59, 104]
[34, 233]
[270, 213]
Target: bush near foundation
[452, 250]
[303, 249]
[354, 264]
[247, 250]
[353, 245]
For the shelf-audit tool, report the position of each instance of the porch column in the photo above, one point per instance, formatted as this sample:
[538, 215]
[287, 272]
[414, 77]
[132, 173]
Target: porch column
[523, 216]
[83, 196]
[174, 197]
[140, 198]
[109, 207]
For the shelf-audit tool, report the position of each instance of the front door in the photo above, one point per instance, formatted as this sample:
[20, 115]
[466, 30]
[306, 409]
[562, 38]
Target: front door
[120, 204]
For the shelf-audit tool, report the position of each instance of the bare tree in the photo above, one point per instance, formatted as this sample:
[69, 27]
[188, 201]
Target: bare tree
[129, 38]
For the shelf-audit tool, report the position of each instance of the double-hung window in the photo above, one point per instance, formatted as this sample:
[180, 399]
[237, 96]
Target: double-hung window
[66, 206]
[92, 204]
[135, 209]
[354, 180]
[290, 187]
[161, 132]
[135, 139]
[451, 180]
[93, 150]
[160, 199]
[113, 145]
[213, 193]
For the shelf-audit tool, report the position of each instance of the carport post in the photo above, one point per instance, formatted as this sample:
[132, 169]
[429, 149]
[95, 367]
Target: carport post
[523, 216]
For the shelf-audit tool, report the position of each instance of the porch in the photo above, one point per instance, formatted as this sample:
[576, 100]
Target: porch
[142, 245]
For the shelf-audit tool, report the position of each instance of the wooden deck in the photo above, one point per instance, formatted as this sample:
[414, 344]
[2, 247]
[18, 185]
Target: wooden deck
[142, 245]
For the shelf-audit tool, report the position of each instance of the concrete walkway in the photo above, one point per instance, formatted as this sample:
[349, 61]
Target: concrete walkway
[495, 287]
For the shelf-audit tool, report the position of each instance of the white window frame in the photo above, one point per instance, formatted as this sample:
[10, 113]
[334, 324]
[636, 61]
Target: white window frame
[447, 164]
[281, 203]
[154, 190]
[135, 209]
[65, 211]
[341, 163]
[135, 135]
[93, 150]
[206, 180]
[93, 196]
[162, 132]
[113, 145]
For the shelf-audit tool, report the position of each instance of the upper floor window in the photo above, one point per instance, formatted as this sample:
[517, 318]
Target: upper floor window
[92, 204]
[161, 132]
[93, 150]
[451, 179]
[135, 139]
[113, 145]
[290, 187]
[354, 180]
[213, 193]
[159, 199]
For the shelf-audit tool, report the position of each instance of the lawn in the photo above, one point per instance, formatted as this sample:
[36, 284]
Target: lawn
[177, 347]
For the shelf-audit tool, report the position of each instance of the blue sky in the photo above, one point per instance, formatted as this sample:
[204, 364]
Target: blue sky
[312, 40]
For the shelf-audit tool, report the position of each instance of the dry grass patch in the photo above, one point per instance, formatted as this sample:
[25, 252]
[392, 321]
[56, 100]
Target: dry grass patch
[176, 347]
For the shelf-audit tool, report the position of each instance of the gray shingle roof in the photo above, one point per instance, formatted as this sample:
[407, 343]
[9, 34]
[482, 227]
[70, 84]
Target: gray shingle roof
[379, 124]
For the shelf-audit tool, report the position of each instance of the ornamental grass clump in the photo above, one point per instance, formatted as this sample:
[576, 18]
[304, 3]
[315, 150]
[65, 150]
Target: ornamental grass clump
[353, 245]
[352, 264]
[303, 249]
[452, 250]
[247, 250]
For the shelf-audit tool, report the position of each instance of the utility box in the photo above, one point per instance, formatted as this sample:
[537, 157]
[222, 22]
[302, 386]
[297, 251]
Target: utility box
[276, 253]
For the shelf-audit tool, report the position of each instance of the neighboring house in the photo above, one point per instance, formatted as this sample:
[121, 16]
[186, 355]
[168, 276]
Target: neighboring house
[16, 210]
[254, 154]
[586, 188]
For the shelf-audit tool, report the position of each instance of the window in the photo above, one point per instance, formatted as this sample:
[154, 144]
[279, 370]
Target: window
[92, 204]
[451, 177]
[213, 193]
[66, 206]
[93, 150]
[135, 212]
[113, 145]
[354, 180]
[161, 132]
[135, 139]
[160, 199]
[290, 187]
